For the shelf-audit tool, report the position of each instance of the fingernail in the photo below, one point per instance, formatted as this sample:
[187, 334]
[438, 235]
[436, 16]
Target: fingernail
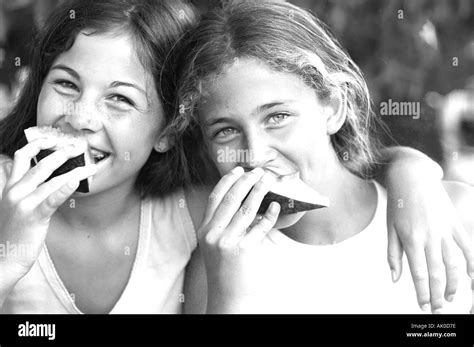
[273, 209]
[450, 297]
[394, 276]
[238, 169]
[425, 307]
[437, 311]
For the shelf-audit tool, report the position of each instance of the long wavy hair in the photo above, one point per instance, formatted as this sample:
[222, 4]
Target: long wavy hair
[287, 39]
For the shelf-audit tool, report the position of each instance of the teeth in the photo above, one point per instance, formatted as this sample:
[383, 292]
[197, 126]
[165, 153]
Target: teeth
[99, 157]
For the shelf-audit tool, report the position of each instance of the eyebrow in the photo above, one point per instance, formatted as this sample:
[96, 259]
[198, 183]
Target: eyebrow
[70, 71]
[126, 84]
[258, 109]
[265, 107]
[114, 84]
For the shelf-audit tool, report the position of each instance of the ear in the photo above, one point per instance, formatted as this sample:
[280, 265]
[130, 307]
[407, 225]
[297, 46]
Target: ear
[335, 111]
[163, 144]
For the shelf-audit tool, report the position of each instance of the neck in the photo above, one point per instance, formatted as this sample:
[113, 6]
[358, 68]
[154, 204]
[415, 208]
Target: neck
[99, 211]
[353, 203]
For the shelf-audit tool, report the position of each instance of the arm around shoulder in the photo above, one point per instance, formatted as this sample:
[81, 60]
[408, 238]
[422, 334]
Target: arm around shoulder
[462, 196]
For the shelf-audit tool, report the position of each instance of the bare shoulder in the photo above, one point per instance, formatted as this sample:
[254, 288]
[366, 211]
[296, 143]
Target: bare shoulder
[462, 196]
[196, 197]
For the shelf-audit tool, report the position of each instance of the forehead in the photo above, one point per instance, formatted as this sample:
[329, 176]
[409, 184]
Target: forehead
[248, 83]
[104, 55]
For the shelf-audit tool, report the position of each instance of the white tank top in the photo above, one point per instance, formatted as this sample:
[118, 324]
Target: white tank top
[351, 276]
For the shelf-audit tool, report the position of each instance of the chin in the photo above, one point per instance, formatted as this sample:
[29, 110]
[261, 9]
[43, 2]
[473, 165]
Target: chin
[287, 220]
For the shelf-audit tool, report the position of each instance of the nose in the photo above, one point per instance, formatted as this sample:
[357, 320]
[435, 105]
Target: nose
[83, 115]
[259, 149]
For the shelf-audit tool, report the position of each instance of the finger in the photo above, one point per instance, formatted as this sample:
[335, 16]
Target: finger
[65, 186]
[232, 200]
[394, 254]
[247, 212]
[448, 248]
[259, 232]
[437, 276]
[45, 167]
[419, 272]
[220, 190]
[45, 190]
[23, 156]
[465, 242]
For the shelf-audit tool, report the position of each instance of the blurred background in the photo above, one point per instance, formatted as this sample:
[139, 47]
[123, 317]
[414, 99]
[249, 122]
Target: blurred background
[417, 51]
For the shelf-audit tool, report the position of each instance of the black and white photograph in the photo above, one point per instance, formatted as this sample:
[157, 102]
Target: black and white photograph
[240, 163]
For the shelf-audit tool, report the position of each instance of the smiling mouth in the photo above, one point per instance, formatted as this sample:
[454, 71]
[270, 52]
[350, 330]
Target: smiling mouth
[99, 155]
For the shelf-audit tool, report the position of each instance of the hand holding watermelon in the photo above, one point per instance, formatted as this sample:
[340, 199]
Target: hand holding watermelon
[232, 233]
[28, 202]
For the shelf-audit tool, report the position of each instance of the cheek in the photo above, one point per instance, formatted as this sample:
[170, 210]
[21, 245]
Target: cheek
[220, 157]
[48, 108]
[309, 134]
[141, 137]
[307, 145]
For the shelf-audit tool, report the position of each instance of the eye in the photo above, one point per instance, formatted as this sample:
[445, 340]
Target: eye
[225, 132]
[66, 84]
[121, 99]
[277, 118]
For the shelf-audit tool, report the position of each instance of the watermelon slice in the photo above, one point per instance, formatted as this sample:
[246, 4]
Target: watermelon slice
[63, 139]
[294, 196]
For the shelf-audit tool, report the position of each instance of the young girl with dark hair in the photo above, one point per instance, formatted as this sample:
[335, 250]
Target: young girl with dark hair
[122, 247]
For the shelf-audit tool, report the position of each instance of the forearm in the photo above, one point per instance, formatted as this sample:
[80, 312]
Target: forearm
[403, 162]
